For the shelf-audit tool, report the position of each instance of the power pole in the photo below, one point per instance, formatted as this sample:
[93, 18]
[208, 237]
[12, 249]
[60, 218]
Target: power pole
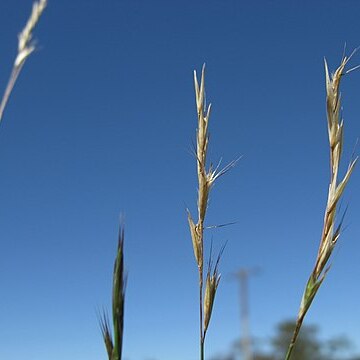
[242, 276]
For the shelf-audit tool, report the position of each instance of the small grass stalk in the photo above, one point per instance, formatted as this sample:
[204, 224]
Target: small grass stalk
[206, 179]
[331, 232]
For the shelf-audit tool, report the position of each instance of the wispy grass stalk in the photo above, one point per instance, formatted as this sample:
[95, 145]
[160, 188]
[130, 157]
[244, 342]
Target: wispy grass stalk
[113, 344]
[206, 179]
[331, 232]
[26, 46]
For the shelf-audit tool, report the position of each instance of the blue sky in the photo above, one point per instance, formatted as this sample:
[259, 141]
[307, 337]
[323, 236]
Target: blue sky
[101, 121]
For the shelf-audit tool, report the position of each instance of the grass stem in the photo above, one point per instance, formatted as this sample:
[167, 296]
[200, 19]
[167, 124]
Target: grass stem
[201, 313]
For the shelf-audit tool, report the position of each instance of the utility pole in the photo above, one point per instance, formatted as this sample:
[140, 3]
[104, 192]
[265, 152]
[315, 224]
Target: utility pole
[242, 276]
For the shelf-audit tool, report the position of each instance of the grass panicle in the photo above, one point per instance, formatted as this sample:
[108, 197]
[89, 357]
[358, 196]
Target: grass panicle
[114, 345]
[206, 179]
[331, 231]
[26, 46]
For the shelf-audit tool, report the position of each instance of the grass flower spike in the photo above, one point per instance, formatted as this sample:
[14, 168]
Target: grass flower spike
[26, 46]
[331, 232]
[114, 347]
[206, 179]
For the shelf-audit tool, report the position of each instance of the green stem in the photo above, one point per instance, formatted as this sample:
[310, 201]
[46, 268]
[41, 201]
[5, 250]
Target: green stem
[202, 349]
[294, 337]
[290, 349]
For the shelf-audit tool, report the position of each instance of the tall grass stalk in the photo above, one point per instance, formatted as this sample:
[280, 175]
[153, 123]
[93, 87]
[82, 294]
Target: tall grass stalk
[113, 344]
[331, 232]
[26, 46]
[206, 179]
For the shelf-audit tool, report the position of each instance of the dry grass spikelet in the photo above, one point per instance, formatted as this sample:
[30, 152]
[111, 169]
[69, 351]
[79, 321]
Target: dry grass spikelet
[212, 283]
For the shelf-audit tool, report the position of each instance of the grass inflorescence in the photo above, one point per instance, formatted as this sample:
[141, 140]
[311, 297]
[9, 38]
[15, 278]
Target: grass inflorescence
[331, 231]
[206, 179]
[113, 344]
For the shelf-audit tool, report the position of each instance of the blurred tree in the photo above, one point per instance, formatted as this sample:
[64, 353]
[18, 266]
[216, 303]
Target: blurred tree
[224, 357]
[258, 356]
[337, 348]
[307, 346]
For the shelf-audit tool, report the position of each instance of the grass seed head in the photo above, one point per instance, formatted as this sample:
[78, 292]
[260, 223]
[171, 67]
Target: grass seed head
[336, 188]
[26, 45]
[206, 179]
[330, 233]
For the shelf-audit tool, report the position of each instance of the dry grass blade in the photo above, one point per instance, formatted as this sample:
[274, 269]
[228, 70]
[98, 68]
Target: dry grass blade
[25, 47]
[331, 232]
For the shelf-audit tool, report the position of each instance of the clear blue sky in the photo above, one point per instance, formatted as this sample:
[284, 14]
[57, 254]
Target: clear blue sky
[101, 122]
